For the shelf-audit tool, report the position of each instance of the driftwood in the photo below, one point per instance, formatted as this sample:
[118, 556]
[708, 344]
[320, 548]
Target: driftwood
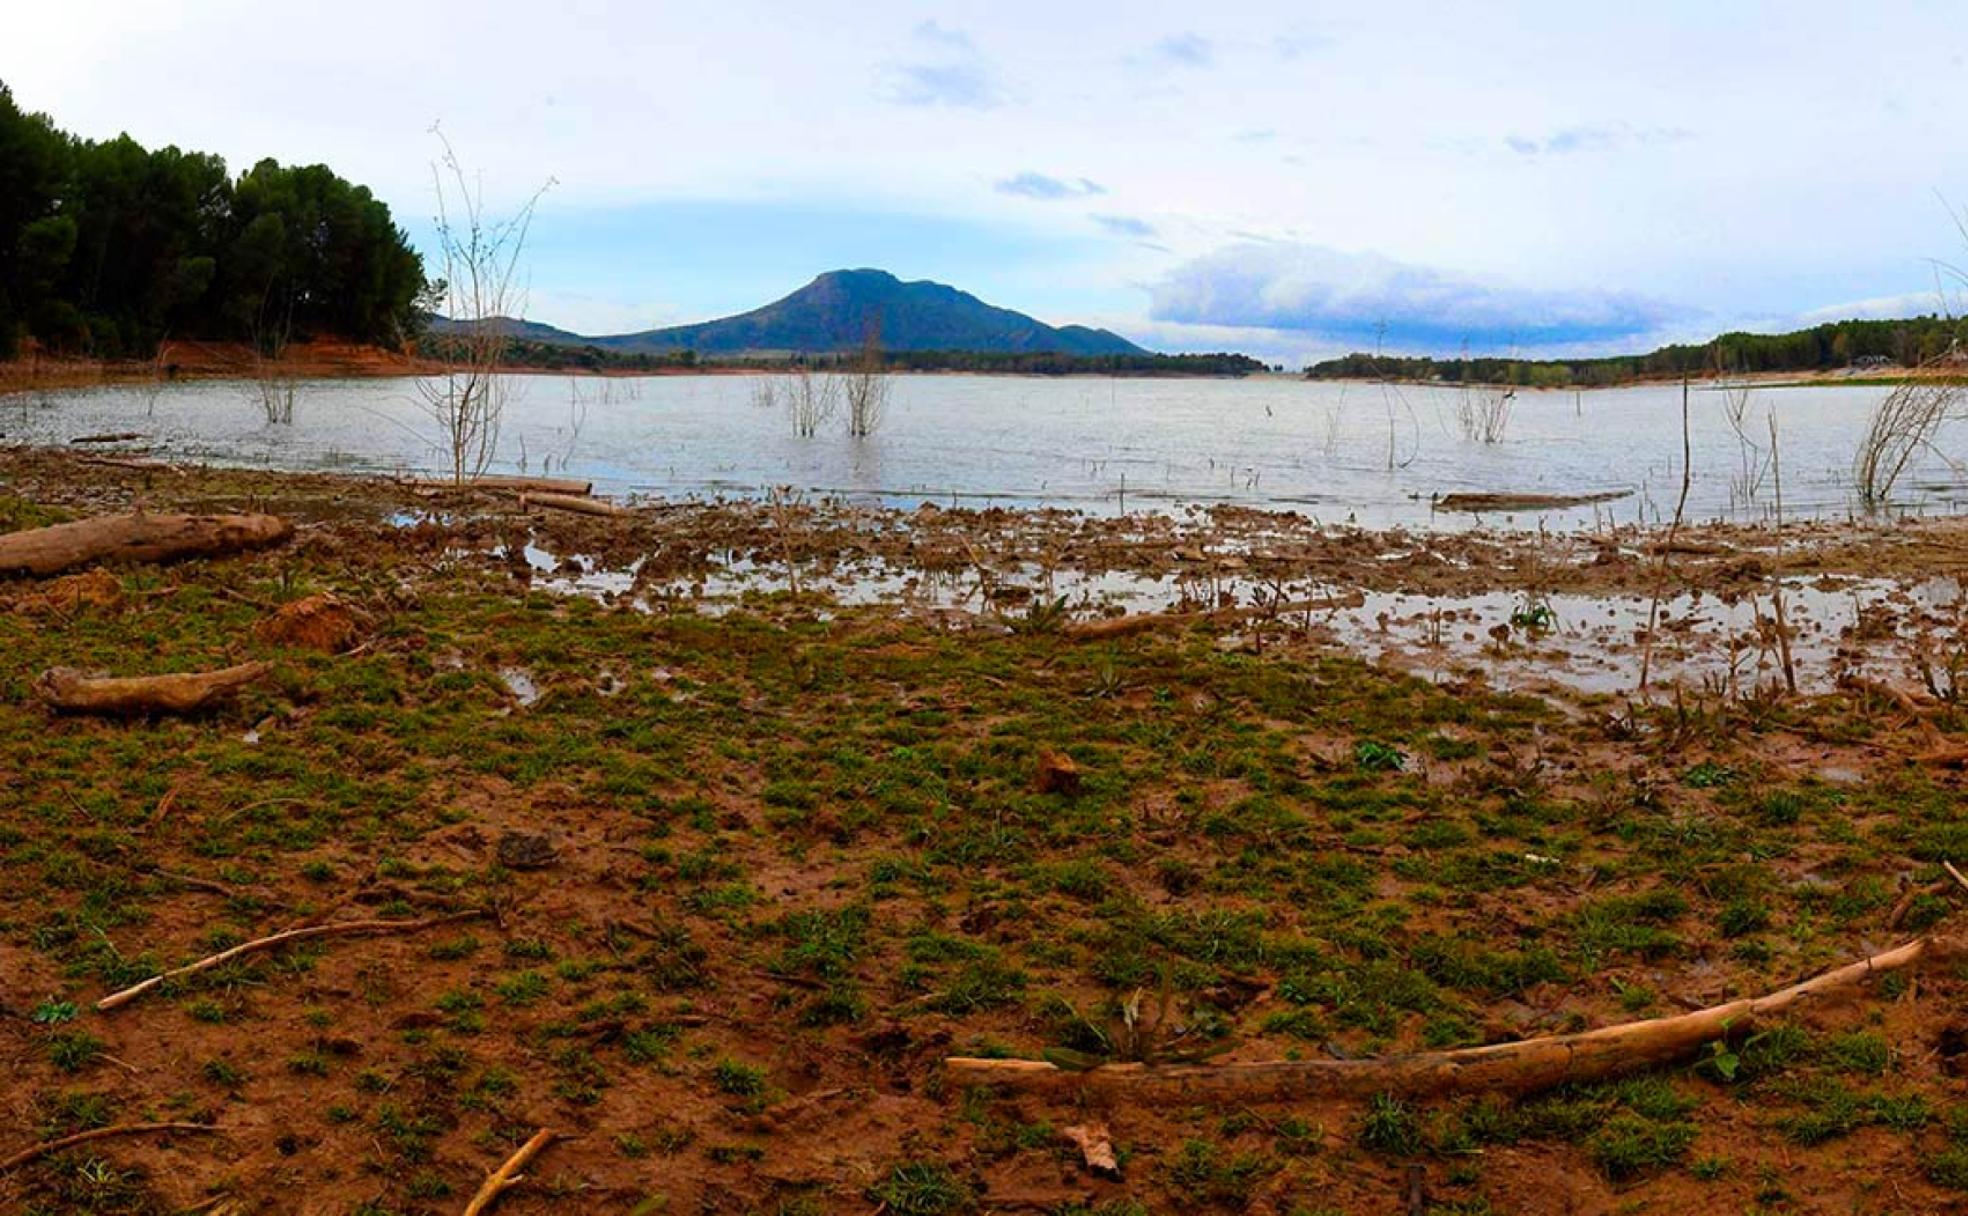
[136, 538]
[1524, 502]
[1150, 622]
[542, 485]
[567, 502]
[101, 1133]
[72, 692]
[1512, 1067]
[350, 928]
[508, 1175]
[117, 437]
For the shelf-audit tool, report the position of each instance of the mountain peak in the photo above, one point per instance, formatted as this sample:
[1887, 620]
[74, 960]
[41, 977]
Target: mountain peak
[839, 309]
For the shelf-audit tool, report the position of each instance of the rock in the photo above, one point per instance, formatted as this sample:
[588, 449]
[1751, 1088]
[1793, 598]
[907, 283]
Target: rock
[1096, 1148]
[525, 851]
[1058, 774]
[316, 622]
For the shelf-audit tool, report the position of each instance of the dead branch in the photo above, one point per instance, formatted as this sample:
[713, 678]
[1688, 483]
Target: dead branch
[136, 538]
[1151, 622]
[70, 691]
[101, 1133]
[508, 1175]
[567, 502]
[489, 481]
[1514, 1067]
[353, 928]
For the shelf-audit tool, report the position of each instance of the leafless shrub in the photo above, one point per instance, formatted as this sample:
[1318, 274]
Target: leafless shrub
[1752, 462]
[479, 292]
[1483, 413]
[273, 384]
[809, 398]
[865, 386]
[1902, 426]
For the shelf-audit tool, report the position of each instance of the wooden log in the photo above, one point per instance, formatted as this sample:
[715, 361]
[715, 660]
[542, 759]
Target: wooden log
[1509, 1067]
[1523, 502]
[347, 928]
[1150, 622]
[567, 502]
[507, 1175]
[136, 538]
[72, 692]
[541, 485]
[116, 437]
[100, 1133]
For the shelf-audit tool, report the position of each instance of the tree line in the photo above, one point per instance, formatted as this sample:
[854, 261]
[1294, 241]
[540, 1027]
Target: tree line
[569, 357]
[107, 248]
[1831, 346]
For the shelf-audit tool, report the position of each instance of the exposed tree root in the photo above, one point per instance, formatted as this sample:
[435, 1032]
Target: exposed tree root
[101, 1133]
[352, 928]
[508, 1175]
[72, 692]
[136, 538]
[1512, 1067]
[1150, 622]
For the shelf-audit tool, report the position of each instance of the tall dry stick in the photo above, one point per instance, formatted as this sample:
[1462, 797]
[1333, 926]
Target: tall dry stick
[1776, 575]
[1667, 549]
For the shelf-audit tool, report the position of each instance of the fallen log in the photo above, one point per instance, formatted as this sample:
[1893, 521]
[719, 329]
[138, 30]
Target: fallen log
[69, 691]
[348, 928]
[567, 502]
[1510, 1067]
[100, 1133]
[1150, 622]
[1524, 502]
[140, 466]
[116, 437]
[543, 485]
[508, 1175]
[136, 538]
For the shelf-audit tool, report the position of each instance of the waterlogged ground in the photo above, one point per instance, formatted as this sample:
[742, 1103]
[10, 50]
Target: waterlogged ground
[1368, 454]
[754, 863]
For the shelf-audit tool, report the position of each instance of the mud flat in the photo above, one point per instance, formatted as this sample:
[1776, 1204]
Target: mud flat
[749, 818]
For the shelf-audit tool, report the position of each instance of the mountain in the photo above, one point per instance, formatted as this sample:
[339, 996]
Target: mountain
[836, 312]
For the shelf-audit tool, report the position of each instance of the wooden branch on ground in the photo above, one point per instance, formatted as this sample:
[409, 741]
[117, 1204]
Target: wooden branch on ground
[352, 928]
[567, 502]
[1512, 1067]
[101, 1133]
[1149, 622]
[70, 691]
[544, 485]
[508, 1175]
[136, 538]
[140, 466]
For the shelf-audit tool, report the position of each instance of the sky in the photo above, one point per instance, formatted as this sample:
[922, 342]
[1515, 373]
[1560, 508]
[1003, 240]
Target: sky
[1291, 179]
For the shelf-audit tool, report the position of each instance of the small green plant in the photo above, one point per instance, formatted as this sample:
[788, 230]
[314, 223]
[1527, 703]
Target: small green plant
[923, 1188]
[1375, 757]
[1390, 1127]
[52, 1012]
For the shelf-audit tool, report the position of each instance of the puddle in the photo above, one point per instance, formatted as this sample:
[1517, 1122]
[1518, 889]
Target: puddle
[1584, 643]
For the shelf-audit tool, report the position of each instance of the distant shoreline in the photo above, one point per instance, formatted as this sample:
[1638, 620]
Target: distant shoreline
[333, 360]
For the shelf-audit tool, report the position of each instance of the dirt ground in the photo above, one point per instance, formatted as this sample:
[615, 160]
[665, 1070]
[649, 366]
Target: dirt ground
[740, 851]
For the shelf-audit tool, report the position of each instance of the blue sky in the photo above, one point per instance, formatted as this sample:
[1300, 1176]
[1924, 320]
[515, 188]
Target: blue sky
[1293, 179]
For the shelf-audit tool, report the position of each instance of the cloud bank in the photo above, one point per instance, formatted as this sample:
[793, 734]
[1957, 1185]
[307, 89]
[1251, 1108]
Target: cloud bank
[1314, 290]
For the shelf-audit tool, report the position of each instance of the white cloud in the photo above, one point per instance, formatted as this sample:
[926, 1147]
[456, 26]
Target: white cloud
[1314, 290]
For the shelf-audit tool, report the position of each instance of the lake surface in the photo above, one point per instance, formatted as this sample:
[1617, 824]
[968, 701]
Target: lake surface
[1365, 453]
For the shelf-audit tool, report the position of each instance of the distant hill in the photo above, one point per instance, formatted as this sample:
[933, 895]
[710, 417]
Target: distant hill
[836, 311]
